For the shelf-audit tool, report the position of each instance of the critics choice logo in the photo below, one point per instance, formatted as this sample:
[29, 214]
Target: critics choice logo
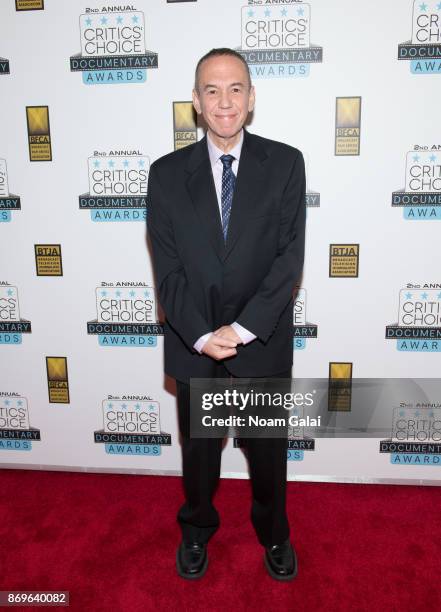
[276, 39]
[132, 426]
[421, 197]
[126, 315]
[113, 48]
[419, 319]
[11, 325]
[117, 186]
[416, 434]
[16, 432]
[302, 329]
[424, 49]
[8, 201]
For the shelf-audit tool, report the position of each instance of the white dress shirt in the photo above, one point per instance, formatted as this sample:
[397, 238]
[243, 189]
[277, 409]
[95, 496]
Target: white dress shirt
[217, 168]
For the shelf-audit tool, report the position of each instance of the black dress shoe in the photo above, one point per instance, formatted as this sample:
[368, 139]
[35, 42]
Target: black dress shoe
[191, 560]
[281, 561]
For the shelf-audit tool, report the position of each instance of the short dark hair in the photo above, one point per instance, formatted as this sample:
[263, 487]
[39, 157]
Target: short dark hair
[216, 53]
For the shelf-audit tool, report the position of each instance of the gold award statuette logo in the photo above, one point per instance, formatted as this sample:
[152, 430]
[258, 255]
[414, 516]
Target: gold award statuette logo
[184, 124]
[57, 381]
[343, 260]
[39, 137]
[347, 126]
[339, 386]
[29, 5]
[4, 65]
[48, 259]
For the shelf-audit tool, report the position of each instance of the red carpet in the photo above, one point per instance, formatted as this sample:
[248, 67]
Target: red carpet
[110, 540]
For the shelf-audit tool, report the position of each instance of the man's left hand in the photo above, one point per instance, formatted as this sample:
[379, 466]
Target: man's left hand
[226, 331]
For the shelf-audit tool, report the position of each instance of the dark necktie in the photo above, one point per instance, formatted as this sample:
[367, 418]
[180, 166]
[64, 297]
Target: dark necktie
[228, 182]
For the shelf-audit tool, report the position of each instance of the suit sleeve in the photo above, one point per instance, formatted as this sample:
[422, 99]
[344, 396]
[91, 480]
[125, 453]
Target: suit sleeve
[262, 312]
[171, 282]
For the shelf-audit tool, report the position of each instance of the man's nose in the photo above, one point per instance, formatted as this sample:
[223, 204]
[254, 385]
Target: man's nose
[225, 99]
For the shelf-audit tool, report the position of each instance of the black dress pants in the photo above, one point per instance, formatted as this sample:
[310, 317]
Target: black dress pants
[201, 463]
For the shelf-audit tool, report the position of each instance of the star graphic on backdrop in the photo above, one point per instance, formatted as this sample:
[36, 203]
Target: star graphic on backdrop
[408, 296]
[132, 293]
[123, 406]
[19, 403]
[267, 13]
[432, 158]
[423, 7]
[416, 158]
[146, 293]
[119, 19]
[151, 406]
[137, 406]
[284, 12]
[417, 413]
[7, 402]
[118, 293]
[439, 295]
[401, 413]
[96, 163]
[424, 296]
[111, 163]
[103, 20]
[250, 13]
[135, 18]
[109, 406]
[438, 6]
[141, 163]
[10, 292]
[300, 11]
[104, 293]
[125, 163]
[431, 415]
[88, 21]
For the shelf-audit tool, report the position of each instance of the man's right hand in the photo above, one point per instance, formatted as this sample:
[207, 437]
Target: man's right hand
[219, 348]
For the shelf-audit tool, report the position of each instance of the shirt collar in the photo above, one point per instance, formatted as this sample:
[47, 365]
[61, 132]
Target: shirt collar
[215, 153]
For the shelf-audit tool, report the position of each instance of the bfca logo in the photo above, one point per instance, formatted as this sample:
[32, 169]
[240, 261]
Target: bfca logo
[113, 48]
[276, 39]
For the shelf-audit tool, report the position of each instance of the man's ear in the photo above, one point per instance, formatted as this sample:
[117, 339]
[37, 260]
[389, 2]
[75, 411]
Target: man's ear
[196, 102]
[251, 99]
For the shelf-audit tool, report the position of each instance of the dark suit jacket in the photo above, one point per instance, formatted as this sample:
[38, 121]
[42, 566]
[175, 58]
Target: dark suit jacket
[204, 283]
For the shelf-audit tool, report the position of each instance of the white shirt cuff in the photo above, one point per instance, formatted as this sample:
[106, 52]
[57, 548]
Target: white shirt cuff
[244, 334]
[199, 344]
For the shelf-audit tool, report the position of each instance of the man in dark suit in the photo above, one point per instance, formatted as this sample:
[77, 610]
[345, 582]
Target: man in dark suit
[226, 221]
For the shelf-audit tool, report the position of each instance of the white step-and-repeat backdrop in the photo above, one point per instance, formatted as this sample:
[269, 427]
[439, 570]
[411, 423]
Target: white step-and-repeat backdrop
[91, 94]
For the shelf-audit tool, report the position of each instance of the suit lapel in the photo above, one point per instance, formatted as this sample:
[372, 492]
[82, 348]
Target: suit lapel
[247, 193]
[248, 190]
[200, 185]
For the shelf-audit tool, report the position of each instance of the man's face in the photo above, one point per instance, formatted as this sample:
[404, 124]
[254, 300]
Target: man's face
[224, 97]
